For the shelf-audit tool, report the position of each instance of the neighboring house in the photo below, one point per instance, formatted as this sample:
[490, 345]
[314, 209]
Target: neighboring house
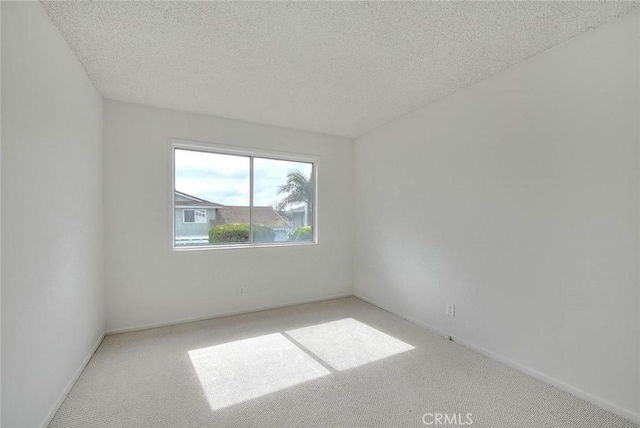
[297, 216]
[195, 216]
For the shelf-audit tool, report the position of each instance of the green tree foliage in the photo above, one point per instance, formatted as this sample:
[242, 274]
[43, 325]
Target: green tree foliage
[239, 232]
[298, 189]
[263, 233]
[303, 233]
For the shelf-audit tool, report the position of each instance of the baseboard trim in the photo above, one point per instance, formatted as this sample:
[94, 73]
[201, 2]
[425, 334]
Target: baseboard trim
[47, 420]
[226, 314]
[595, 400]
[398, 314]
[586, 396]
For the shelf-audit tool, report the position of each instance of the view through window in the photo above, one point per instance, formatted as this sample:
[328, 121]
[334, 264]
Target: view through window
[223, 199]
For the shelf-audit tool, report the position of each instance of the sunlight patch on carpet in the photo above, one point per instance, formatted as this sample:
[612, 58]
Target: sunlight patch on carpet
[348, 343]
[235, 372]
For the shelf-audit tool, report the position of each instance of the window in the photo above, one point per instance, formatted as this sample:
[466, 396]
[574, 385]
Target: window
[228, 197]
[194, 216]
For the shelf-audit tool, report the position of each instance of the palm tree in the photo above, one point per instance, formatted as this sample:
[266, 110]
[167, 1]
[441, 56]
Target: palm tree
[298, 189]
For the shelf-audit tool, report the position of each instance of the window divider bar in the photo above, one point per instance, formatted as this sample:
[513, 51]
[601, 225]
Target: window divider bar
[251, 200]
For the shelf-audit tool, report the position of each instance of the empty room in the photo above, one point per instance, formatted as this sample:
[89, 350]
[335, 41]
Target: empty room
[320, 214]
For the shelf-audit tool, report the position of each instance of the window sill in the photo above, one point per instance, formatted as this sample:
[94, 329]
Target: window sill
[238, 246]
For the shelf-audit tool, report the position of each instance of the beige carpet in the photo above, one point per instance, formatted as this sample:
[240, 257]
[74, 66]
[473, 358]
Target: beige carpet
[340, 363]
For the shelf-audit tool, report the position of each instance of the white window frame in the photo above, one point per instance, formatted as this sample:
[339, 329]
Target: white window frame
[184, 211]
[251, 153]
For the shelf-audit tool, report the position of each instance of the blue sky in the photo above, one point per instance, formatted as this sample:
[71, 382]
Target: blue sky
[225, 178]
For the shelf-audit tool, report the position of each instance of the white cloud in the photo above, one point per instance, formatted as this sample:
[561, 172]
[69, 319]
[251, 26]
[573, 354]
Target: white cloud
[225, 178]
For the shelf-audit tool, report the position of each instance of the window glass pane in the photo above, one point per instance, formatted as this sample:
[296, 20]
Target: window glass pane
[200, 216]
[283, 197]
[188, 216]
[215, 187]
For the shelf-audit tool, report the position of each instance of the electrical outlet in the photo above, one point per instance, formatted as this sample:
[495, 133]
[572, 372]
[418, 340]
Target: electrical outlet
[451, 310]
[241, 290]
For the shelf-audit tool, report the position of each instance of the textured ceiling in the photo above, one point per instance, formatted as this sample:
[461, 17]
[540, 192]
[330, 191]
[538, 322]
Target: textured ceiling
[340, 68]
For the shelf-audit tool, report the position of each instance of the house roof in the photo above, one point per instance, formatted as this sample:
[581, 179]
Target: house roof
[197, 204]
[239, 214]
[299, 209]
[178, 193]
[233, 214]
[192, 201]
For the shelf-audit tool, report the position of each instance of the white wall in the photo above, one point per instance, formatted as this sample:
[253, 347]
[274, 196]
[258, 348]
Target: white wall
[52, 246]
[149, 284]
[517, 200]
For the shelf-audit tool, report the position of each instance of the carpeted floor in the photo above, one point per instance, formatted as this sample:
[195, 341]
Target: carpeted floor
[341, 363]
